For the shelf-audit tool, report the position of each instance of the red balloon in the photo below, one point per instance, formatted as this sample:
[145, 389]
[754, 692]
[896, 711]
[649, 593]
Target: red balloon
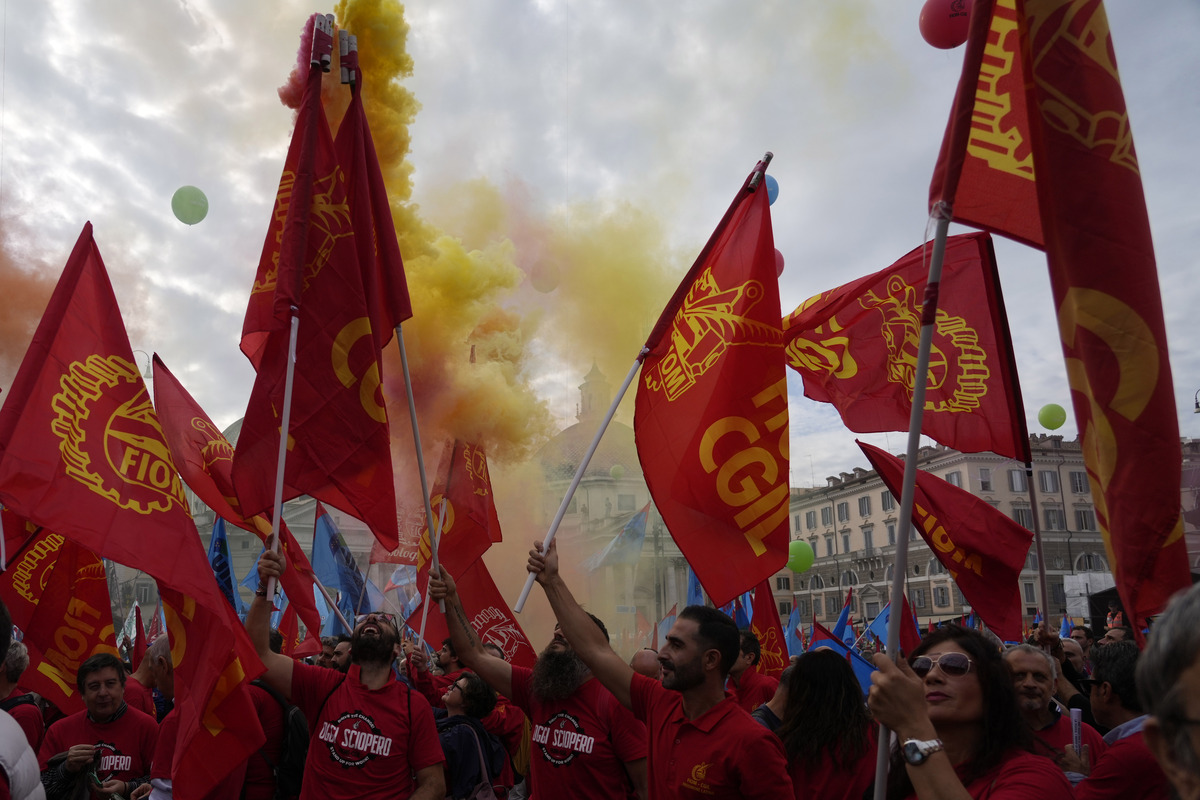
[943, 23]
[778, 263]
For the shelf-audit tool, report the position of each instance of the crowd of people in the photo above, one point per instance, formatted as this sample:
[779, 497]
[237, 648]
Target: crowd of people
[964, 716]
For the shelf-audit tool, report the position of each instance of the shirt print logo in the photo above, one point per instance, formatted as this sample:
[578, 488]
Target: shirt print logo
[353, 739]
[562, 739]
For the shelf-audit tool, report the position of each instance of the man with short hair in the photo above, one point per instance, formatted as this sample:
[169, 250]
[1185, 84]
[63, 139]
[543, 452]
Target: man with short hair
[325, 657]
[1084, 637]
[750, 687]
[645, 662]
[701, 742]
[1128, 770]
[434, 686]
[1034, 674]
[108, 738]
[1168, 683]
[21, 705]
[140, 683]
[585, 744]
[341, 654]
[372, 737]
[770, 713]
[1117, 633]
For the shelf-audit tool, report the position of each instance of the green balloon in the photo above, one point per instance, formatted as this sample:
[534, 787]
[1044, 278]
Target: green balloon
[800, 555]
[189, 204]
[1052, 416]
[616, 471]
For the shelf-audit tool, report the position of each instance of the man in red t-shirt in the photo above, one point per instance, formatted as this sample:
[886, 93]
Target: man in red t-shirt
[20, 704]
[1035, 673]
[142, 680]
[108, 737]
[701, 743]
[750, 687]
[372, 736]
[584, 743]
[433, 687]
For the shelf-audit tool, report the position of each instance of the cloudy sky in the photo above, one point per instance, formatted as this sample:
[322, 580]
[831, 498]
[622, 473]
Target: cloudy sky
[593, 145]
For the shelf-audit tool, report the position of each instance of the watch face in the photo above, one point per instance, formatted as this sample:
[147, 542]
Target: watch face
[913, 753]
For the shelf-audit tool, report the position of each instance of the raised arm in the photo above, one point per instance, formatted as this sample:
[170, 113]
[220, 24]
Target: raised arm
[258, 625]
[587, 640]
[495, 671]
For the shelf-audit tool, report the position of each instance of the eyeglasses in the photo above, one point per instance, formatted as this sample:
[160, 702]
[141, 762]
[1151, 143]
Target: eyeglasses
[454, 686]
[953, 664]
[378, 615]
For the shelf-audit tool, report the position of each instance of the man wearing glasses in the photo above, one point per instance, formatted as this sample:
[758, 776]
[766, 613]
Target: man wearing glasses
[372, 737]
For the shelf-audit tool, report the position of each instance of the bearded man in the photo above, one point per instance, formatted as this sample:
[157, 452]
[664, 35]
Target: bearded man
[372, 736]
[585, 743]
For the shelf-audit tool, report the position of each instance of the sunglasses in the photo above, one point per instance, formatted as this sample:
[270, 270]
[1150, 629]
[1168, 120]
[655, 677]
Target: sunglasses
[377, 615]
[953, 664]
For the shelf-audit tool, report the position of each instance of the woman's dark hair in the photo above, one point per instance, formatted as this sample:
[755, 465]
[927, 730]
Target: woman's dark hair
[477, 696]
[825, 719]
[1002, 726]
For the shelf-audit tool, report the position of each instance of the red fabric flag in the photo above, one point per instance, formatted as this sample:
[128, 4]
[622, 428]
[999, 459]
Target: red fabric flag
[856, 347]
[338, 442]
[157, 626]
[82, 454]
[371, 214]
[57, 593]
[982, 549]
[139, 638]
[985, 171]
[910, 634]
[711, 418]
[471, 523]
[18, 533]
[766, 626]
[1105, 285]
[204, 458]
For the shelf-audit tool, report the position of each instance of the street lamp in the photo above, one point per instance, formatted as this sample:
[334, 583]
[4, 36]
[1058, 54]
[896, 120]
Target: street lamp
[1197, 411]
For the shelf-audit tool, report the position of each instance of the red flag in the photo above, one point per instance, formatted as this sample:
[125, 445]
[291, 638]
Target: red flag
[82, 453]
[856, 347]
[910, 634]
[1096, 234]
[18, 532]
[371, 215]
[471, 523]
[204, 458]
[985, 171]
[489, 616]
[766, 626]
[985, 552]
[139, 638]
[57, 594]
[711, 417]
[338, 442]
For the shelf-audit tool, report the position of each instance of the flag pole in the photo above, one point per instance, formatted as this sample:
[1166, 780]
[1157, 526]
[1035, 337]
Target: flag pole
[1037, 539]
[285, 426]
[583, 465]
[942, 213]
[412, 415]
[434, 538]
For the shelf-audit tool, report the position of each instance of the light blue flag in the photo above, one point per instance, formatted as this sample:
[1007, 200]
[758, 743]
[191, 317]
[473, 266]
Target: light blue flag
[626, 546]
[1064, 630]
[251, 579]
[862, 668]
[879, 625]
[841, 628]
[791, 636]
[218, 558]
[695, 592]
[335, 567]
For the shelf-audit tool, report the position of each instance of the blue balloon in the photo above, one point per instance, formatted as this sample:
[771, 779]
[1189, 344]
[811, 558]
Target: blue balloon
[772, 190]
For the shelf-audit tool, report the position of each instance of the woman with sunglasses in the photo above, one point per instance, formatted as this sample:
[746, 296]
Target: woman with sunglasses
[959, 731]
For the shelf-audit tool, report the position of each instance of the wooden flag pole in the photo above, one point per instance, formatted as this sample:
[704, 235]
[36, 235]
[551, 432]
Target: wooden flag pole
[583, 464]
[920, 378]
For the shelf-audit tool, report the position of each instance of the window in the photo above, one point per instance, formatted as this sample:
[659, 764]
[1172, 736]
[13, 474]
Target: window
[843, 511]
[941, 596]
[1055, 519]
[143, 594]
[626, 502]
[958, 596]
[796, 523]
[936, 567]
[816, 607]
[919, 598]
[1090, 562]
[1079, 482]
[1030, 597]
[869, 539]
[810, 519]
[1016, 480]
[872, 610]
[954, 478]
[845, 543]
[1048, 481]
[891, 529]
[1058, 594]
[886, 501]
[1023, 515]
[785, 608]
[891, 570]
[1031, 560]
[864, 506]
[1085, 519]
[783, 583]
[245, 543]
[985, 479]
[802, 607]
[818, 583]
[849, 578]
[826, 516]
[912, 533]
[828, 545]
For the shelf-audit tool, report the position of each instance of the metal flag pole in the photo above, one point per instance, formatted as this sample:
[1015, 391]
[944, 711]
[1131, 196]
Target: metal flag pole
[583, 464]
[942, 214]
[285, 427]
[435, 537]
[1037, 541]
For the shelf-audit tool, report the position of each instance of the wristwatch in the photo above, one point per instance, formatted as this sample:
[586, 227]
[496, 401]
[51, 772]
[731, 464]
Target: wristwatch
[916, 751]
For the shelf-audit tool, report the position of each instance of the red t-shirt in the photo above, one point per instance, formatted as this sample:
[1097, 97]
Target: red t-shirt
[164, 754]
[126, 744]
[260, 777]
[1128, 771]
[432, 686]
[29, 717]
[753, 690]
[721, 753]
[139, 697]
[365, 743]
[581, 744]
[1021, 776]
[1059, 736]
[829, 782]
